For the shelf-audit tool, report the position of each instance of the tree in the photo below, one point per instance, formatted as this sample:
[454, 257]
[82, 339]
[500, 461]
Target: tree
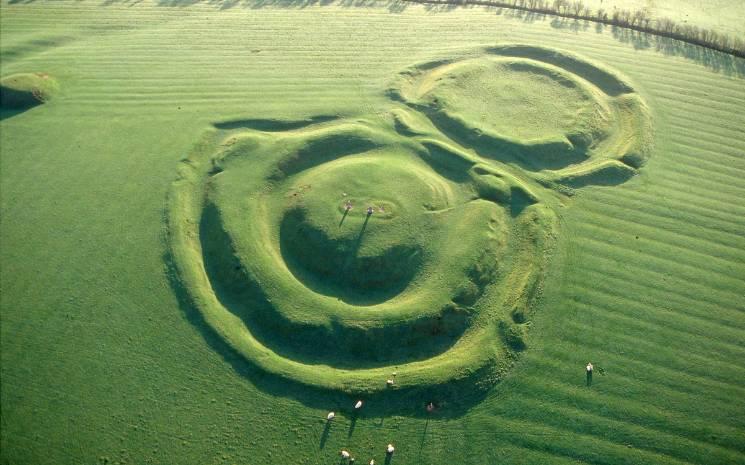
[666, 25]
[738, 44]
[561, 5]
[577, 7]
[625, 17]
[638, 17]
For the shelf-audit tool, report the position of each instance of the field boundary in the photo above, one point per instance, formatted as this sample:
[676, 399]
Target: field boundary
[634, 20]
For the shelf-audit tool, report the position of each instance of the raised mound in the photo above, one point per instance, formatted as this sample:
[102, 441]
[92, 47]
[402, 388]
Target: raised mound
[519, 99]
[363, 258]
[25, 90]
[336, 252]
[536, 108]
[328, 232]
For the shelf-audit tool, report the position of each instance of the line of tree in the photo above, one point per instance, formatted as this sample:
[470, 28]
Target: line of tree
[639, 20]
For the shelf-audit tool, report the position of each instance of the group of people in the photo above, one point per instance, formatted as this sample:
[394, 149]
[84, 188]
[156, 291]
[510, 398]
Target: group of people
[344, 453]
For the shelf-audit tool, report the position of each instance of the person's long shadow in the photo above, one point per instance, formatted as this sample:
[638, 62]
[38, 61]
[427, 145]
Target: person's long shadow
[352, 425]
[325, 435]
[343, 217]
[388, 459]
[424, 435]
[357, 242]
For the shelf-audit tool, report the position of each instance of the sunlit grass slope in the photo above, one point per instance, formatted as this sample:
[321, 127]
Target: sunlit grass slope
[103, 362]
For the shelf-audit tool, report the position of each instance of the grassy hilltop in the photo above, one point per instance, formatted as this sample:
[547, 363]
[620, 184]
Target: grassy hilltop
[189, 272]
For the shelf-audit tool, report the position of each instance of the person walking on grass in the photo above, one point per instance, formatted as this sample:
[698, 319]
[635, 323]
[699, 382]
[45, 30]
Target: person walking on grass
[589, 373]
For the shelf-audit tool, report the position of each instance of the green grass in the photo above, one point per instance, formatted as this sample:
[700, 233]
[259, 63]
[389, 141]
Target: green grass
[105, 360]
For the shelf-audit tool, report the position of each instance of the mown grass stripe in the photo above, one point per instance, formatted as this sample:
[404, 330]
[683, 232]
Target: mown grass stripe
[708, 135]
[694, 365]
[706, 159]
[625, 312]
[716, 308]
[673, 388]
[622, 392]
[716, 175]
[703, 184]
[723, 283]
[603, 227]
[695, 138]
[651, 418]
[718, 227]
[644, 437]
[672, 96]
[566, 442]
[639, 224]
[682, 320]
[673, 308]
[688, 287]
[677, 109]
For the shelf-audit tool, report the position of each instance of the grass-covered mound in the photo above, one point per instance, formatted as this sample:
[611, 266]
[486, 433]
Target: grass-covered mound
[337, 252]
[341, 255]
[357, 252]
[25, 90]
[519, 101]
[534, 108]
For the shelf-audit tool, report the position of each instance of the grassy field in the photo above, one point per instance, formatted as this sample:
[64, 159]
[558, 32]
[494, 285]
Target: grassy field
[720, 15]
[105, 359]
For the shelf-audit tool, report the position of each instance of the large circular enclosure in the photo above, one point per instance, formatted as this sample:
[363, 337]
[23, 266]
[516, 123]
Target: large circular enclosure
[337, 252]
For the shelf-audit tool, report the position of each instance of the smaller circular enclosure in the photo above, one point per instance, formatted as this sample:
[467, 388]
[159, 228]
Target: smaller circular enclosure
[515, 99]
[534, 108]
[357, 228]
